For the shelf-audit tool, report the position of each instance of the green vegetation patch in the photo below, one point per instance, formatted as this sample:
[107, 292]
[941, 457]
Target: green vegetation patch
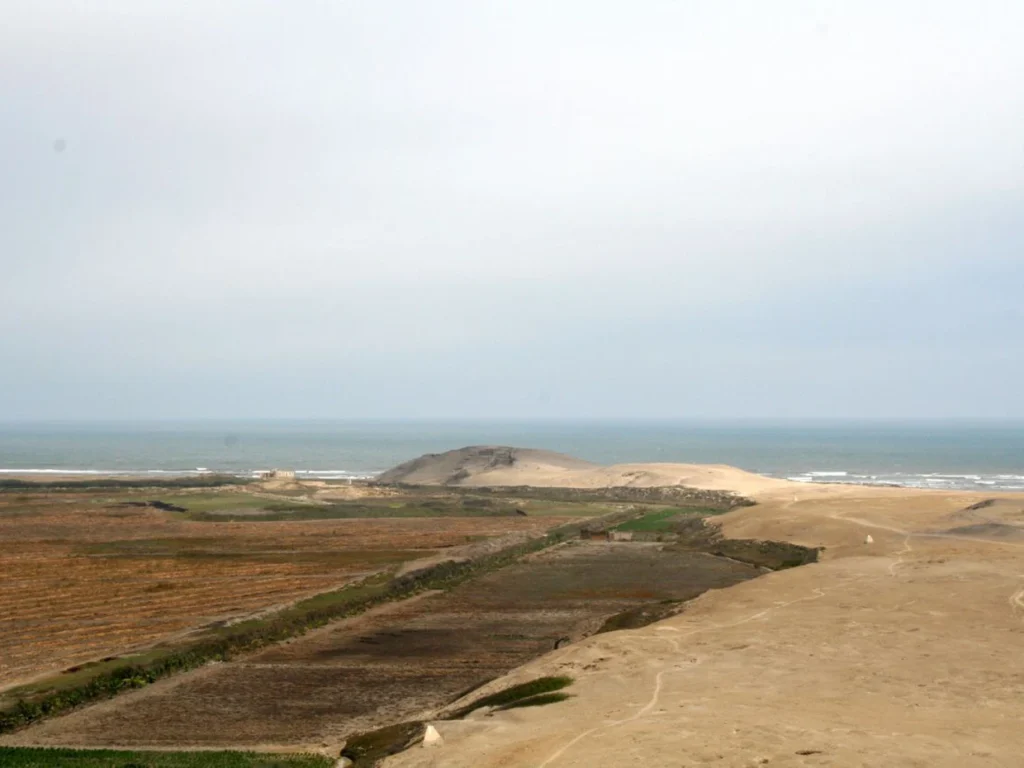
[664, 520]
[774, 555]
[206, 502]
[43, 757]
[697, 535]
[641, 616]
[80, 675]
[537, 508]
[367, 749]
[536, 701]
[653, 521]
[516, 695]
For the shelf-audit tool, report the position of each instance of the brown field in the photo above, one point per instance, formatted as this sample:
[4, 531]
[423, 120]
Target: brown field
[397, 661]
[82, 578]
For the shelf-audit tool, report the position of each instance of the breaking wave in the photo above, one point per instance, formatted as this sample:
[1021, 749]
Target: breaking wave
[947, 481]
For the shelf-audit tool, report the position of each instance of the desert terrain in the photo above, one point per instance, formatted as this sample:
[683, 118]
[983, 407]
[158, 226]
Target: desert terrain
[902, 649]
[899, 647]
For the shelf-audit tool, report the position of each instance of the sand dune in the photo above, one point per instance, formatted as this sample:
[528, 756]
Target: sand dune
[463, 465]
[506, 466]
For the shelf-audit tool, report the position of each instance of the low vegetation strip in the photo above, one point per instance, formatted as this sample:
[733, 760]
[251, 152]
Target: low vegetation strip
[697, 534]
[518, 695]
[678, 495]
[539, 700]
[666, 519]
[42, 757]
[225, 643]
[367, 749]
[641, 616]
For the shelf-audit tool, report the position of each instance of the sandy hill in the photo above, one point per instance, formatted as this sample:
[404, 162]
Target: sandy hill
[464, 466]
[507, 466]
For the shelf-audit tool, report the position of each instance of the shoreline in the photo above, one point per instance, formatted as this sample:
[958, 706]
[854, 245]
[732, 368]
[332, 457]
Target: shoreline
[924, 481]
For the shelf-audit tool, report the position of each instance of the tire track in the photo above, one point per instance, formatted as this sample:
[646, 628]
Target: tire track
[659, 677]
[1016, 601]
[907, 549]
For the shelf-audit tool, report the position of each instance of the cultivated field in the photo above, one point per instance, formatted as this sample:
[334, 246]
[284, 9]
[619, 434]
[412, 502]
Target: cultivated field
[88, 576]
[14, 757]
[398, 660]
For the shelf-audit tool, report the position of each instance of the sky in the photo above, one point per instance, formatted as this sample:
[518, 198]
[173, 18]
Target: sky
[522, 209]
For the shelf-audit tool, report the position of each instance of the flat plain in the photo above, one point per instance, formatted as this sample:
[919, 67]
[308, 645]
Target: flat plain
[397, 661]
[140, 576]
[88, 575]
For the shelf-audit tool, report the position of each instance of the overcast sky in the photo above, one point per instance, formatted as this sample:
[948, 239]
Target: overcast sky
[479, 209]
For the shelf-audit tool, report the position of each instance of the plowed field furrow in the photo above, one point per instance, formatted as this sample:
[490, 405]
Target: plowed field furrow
[404, 658]
[77, 582]
[88, 600]
[194, 605]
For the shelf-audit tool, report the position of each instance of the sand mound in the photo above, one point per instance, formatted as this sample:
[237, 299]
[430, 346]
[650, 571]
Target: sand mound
[988, 531]
[463, 465]
[281, 485]
[477, 466]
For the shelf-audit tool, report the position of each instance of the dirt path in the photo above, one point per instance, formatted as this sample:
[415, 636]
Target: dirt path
[685, 668]
[679, 668]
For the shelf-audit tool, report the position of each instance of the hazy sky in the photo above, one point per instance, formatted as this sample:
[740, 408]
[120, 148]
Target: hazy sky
[304, 209]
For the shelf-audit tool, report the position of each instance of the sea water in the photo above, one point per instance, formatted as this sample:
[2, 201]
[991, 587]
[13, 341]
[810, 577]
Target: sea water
[920, 454]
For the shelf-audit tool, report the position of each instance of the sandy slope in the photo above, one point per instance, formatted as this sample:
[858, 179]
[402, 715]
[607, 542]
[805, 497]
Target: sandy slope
[503, 466]
[902, 652]
[705, 476]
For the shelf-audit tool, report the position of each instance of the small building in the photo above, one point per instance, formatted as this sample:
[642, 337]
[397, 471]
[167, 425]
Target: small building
[277, 474]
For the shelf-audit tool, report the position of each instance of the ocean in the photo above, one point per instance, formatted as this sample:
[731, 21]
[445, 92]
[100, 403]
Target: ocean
[920, 454]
